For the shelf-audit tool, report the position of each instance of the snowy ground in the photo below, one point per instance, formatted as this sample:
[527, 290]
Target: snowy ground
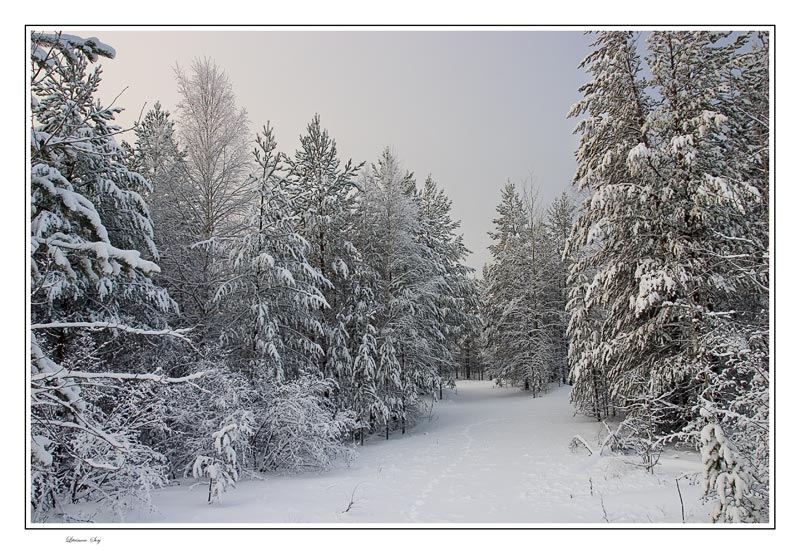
[489, 455]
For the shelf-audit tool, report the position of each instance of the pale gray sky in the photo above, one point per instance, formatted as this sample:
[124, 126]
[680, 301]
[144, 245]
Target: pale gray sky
[473, 108]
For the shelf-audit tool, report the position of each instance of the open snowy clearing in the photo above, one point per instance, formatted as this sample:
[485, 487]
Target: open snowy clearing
[488, 455]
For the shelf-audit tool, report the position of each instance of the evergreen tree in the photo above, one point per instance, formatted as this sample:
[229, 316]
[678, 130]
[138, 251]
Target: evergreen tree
[92, 261]
[272, 300]
[507, 323]
[323, 195]
[404, 286]
[523, 310]
[157, 156]
[675, 225]
[452, 313]
[558, 225]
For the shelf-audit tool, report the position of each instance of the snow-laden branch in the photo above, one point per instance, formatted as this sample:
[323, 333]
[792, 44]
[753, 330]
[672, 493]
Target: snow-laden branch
[100, 325]
[105, 251]
[65, 373]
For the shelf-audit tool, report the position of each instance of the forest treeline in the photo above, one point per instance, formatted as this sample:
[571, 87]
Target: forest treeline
[204, 304]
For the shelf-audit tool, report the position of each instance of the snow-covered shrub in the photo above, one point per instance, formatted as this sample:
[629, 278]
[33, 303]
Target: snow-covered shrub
[193, 414]
[579, 444]
[300, 428]
[727, 479]
[90, 434]
[290, 426]
[638, 433]
[732, 427]
[221, 467]
[634, 436]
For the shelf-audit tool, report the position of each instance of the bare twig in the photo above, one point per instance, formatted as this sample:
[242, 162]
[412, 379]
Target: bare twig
[603, 506]
[683, 515]
[352, 498]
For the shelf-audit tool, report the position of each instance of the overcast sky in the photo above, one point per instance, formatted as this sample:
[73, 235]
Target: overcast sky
[473, 108]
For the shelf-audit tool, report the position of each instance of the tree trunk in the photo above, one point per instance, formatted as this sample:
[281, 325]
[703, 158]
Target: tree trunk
[403, 418]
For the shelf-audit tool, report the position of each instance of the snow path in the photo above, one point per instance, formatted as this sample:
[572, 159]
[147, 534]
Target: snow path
[488, 455]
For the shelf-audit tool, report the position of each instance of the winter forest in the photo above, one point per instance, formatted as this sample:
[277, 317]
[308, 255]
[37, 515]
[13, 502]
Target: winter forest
[225, 330]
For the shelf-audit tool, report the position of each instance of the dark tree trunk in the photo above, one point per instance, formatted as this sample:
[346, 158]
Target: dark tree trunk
[467, 368]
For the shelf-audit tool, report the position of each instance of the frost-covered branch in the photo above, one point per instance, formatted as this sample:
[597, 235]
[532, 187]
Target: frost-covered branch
[104, 325]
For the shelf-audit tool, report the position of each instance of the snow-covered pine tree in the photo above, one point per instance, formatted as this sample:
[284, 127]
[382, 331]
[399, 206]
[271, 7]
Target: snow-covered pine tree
[157, 156]
[718, 141]
[221, 465]
[733, 413]
[365, 384]
[453, 315]
[405, 283]
[92, 260]
[273, 298]
[738, 391]
[520, 318]
[590, 390]
[676, 221]
[471, 354]
[272, 302]
[540, 266]
[502, 315]
[727, 481]
[322, 193]
[616, 110]
[366, 401]
[558, 224]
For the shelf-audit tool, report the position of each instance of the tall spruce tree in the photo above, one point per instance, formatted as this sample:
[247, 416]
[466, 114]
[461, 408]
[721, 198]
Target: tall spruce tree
[675, 226]
[273, 299]
[157, 156]
[322, 192]
[507, 320]
[92, 261]
[558, 224]
[453, 311]
[405, 288]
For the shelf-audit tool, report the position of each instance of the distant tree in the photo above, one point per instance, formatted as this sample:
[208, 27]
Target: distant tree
[522, 311]
[453, 302]
[558, 224]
